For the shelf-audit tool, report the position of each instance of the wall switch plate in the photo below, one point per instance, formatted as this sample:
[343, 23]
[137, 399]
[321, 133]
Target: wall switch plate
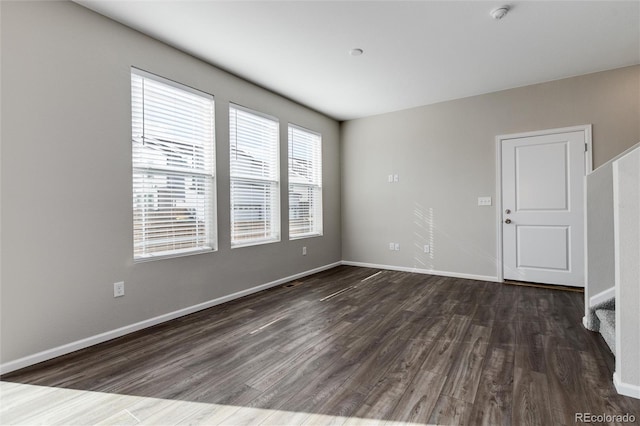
[427, 248]
[304, 251]
[392, 246]
[118, 289]
[396, 178]
[484, 201]
[396, 247]
[390, 178]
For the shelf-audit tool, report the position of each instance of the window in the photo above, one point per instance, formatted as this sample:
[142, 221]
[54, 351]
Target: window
[255, 177]
[173, 168]
[305, 183]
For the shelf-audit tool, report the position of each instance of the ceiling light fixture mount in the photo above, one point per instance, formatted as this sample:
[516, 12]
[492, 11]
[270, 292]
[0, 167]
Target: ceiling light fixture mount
[356, 52]
[500, 12]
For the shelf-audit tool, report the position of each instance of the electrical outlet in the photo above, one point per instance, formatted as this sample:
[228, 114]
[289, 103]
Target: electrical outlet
[118, 289]
[427, 248]
[304, 251]
[396, 178]
[396, 247]
[484, 201]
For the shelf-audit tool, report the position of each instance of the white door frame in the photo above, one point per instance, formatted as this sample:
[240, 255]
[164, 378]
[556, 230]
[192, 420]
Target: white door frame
[499, 208]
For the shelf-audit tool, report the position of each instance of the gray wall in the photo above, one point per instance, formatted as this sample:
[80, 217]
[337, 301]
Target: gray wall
[626, 177]
[445, 157]
[66, 182]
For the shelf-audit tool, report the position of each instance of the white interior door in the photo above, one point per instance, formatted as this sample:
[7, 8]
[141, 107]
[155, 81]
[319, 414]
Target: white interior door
[542, 208]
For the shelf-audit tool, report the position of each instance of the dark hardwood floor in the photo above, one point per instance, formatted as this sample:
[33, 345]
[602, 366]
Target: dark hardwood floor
[353, 345]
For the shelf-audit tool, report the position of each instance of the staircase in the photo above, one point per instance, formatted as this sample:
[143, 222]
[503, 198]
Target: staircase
[602, 318]
[613, 210]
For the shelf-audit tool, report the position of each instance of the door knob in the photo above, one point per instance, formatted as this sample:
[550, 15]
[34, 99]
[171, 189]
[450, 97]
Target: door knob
[507, 221]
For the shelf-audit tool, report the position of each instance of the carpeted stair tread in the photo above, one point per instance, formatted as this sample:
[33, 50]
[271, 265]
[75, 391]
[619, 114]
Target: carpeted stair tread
[592, 321]
[607, 318]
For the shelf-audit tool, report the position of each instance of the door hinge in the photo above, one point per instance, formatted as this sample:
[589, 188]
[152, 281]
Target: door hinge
[586, 147]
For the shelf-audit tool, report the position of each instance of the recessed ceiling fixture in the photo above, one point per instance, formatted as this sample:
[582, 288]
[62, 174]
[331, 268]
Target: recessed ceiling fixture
[500, 12]
[356, 52]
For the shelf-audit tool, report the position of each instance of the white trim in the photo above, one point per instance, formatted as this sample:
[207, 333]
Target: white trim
[626, 389]
[178, 253]
[422, 271]
[603, 296]
[112, 334]
[585, 322]
[255, 243]
[586, 128]
[587, 294]
[588, 156]
[499, 209]
[585, 235]
[616, 266]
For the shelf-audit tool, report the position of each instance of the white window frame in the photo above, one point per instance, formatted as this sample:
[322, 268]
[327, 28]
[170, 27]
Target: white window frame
[192, 209]
[240, 173]
[311, 180]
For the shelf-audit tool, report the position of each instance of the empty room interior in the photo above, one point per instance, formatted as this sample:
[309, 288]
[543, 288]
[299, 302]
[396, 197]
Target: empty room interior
[320, 212]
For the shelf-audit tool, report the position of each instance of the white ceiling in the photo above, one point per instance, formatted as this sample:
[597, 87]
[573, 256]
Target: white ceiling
[415, 52]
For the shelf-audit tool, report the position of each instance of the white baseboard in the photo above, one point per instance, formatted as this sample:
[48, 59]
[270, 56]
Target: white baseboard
[603, 296]
[626, 389]
[103, 337]
[423, 271]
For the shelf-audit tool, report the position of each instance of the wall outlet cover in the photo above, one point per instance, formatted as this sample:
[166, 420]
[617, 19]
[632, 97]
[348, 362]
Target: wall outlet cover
[118, 289]
[484, 201]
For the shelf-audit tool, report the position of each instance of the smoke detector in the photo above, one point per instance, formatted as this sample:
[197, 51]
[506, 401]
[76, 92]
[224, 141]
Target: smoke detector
[500, 12]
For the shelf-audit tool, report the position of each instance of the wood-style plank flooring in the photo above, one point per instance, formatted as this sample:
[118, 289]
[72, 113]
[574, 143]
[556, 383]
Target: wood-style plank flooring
[345, 346]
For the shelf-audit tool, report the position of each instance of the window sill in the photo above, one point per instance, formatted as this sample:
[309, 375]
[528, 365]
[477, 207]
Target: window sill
[300, 237]
[182, 253]
[254, 243]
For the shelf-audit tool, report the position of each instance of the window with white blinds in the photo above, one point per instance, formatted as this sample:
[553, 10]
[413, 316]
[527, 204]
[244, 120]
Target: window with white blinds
[305, 183]
[173, 168]
[255, 177]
